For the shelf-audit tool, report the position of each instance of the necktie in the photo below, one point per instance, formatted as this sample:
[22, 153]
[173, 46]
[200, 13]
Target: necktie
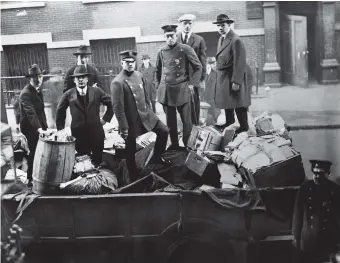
[222, 40]
[83, 97]
[186, 38]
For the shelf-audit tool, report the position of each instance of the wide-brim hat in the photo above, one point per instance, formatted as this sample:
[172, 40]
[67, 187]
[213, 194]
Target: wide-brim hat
[222, 18]
[80, 71]
[82, 50]
[33, 71]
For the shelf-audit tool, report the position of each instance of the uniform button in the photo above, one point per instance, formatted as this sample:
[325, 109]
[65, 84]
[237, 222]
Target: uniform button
[311, 217]
[164, 67]
[327, 209]
[310, 208]
[310, 188]
[311, 226]
[310, 198]
[177, 75]
[179, 66]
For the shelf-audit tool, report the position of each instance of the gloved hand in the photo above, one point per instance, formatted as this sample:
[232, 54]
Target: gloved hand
[124, 133]
[235, 87]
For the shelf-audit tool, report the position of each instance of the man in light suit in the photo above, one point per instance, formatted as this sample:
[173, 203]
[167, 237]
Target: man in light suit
[197, 42]
[232, 92]
[84, 102]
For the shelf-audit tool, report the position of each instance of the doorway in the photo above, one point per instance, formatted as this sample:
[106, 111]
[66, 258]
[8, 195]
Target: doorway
[298, 46]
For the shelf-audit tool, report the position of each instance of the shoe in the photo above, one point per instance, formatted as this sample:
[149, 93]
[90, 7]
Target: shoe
[160, 160]
[173, 147]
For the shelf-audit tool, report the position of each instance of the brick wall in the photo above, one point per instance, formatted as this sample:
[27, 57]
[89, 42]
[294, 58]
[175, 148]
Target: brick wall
[3, 64]
[337, 32]
[66, 19]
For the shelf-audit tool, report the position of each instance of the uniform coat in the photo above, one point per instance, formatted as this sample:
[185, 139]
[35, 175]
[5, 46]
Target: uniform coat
[93, 78]
[316, 221]
[172, 74]
[149, 74]
[32, 118]
[85, 125]
[125, 107]
[198, 44]
[231, 67]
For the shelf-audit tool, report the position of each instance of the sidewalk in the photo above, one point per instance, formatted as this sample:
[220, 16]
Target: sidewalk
[302, 108]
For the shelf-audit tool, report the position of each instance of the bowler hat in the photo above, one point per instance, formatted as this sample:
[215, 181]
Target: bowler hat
[145, 56]
[211, 60]
[82, 50]
[128, 54]
[80, 71]
[169, 28]
[222, 18]
[187, 17]
[33, 70]
[321, 166]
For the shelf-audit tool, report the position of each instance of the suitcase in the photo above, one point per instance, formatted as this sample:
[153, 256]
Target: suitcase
[205, 139]
[271, 160]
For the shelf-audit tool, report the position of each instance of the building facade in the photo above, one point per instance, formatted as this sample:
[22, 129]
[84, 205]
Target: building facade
[289, 42]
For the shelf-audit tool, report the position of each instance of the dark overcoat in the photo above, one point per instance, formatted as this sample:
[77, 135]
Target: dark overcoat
[231, 68]
[316, 220]
[32, 112]
[172, 74]
[92, 78]
[84, 116]
[149, 74]
[198, 44]
[125, 108]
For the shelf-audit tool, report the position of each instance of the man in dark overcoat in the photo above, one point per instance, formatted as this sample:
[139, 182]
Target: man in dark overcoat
[210, 88]
[232, 93]
[82, 55]
[316, 220]
[133, 111]
[186, 36]
[32, 114]
[87, 127]
[174, 84]
[148, 72]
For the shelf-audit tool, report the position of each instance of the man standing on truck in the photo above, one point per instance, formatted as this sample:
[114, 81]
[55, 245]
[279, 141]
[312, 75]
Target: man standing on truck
[175, 86]
[82, 55]
[84, 102]
[134, 111]
[198, 44]
[32, 114]
[316, 220]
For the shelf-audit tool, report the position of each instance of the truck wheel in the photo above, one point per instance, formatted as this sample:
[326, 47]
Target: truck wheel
[198, 252]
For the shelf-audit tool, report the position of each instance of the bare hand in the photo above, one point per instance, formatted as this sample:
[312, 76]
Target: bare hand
[47, 132]
[102, 122]
[235, 87]
[191, 88]
[124, 133]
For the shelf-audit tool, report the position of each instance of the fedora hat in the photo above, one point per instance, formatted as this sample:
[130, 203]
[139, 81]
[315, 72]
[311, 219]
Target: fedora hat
[80, 71]
[222, 18]
[33, 70]
[82, 50]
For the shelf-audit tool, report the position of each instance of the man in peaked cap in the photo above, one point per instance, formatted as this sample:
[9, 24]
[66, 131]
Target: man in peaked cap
[186, 36]
[316, 221]
[84, 102]
[232, 93]
[82, 55]
[131, 104]
[174, 83]
[148, 71]
[32, 114]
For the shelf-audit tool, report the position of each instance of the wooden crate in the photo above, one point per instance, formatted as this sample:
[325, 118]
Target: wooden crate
[205, 139]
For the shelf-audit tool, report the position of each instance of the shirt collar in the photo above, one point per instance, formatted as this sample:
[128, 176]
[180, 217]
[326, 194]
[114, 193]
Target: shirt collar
[183, 35]
[81, 90]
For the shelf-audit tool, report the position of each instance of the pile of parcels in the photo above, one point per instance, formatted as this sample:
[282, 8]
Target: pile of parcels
[262, 157]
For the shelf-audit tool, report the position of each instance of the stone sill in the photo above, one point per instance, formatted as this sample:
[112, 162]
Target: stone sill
[22, 5]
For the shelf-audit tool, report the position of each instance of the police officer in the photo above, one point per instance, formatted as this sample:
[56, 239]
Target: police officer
[174, 86]
[316, 216]
[133, 111]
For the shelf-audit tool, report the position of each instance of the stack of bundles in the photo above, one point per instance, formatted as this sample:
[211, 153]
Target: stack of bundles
[90, 180]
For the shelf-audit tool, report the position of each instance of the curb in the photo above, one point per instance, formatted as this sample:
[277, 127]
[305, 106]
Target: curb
[314, 127]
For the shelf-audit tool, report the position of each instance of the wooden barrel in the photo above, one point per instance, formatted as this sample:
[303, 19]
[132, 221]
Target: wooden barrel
[53, 164]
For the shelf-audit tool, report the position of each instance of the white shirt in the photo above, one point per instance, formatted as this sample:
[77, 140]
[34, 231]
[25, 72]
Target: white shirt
[208, 70]
[82, 90]
[183, 36]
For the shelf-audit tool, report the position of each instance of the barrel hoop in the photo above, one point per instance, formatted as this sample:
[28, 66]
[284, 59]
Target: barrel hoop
[41, 138]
